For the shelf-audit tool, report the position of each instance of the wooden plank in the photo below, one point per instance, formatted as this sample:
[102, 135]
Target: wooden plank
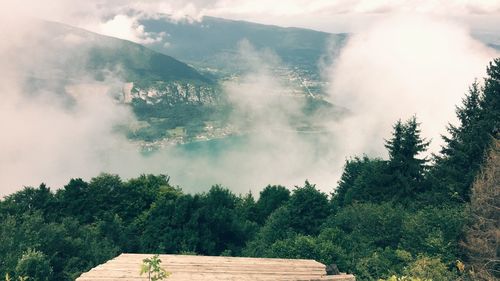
[126, 267]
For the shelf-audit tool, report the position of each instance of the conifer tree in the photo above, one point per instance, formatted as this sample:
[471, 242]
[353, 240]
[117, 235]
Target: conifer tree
[464, 150]
[405, 166]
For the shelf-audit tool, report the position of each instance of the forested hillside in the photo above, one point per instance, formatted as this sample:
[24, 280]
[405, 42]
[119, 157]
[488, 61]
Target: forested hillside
[408, 215]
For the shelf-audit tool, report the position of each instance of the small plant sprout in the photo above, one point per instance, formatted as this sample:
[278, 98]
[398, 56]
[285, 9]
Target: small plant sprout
[152, 267]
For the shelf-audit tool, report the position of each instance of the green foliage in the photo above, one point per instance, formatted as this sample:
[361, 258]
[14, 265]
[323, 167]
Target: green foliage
[304, 213]
[434, 231]
[363, 180]
[308, 208]
[207, 224]
[162, 117]
[378, 224]
[467, 143]
[379, 263]
[277, 227]
[34, 266]
[427, 268]
[69, 246]
[403, 278]
[396, 179]
[271, 198]
[152, 267]
[297, 247]
[363, 238]
[404, 166]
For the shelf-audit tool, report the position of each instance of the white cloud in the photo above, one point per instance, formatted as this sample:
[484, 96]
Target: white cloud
[390, 69]
[399, 67]
[128, 28]
[327, 15]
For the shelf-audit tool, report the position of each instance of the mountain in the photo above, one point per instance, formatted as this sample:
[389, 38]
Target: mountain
[491, 39]
[77, 49]
[214, 47]
[164, 92]
[172, 100]
[73, 55]
[214, 43]
[211, 38]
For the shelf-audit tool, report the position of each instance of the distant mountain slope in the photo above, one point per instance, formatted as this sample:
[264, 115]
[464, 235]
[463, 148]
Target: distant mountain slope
[177, 101]
[98, 53]
[140, 63]
[213, 41]
[172, 100]
[491, 39]
[164, 92]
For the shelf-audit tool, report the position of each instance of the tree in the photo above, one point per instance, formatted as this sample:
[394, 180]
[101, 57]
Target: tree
[246, 207]
[296, 247]
[271, 198]
[30, 200]
[363, 180]
[491, 101]
[167, 226]
[395, 144]
[433, 231]
[481, 237]
[427, 268]
[34, 266]
[405, 167]
[138, 194]
[73, 200]
[220, 226]
[277, 227]
[461, 156]
[376, 180]
[308, 209]
[467, 143]
[362, 239]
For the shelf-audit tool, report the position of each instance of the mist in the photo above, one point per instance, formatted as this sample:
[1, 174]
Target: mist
[402, 66]
[398, 67]
[69, 127]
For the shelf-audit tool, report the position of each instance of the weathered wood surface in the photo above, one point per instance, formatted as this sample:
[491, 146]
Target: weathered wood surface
[126, 267]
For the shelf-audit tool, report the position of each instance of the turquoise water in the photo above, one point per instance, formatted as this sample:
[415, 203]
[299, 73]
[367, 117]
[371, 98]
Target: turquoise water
[214, 147]
[243, 162]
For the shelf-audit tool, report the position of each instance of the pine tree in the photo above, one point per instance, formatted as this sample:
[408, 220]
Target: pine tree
[465, 147]
[394, 145]
[414, 145]
[491, 101]
[404, 165]
[460, 156]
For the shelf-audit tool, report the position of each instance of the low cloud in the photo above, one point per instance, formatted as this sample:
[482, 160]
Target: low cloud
[62, 128]
[53, 127]
[326, 15]
[271, 150]
[402, 66]
[397, 67]
[128, 28]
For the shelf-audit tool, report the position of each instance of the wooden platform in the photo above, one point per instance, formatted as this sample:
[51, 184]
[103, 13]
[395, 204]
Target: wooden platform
[126, 267]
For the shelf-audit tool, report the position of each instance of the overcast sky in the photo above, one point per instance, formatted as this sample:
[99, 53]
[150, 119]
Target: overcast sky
[417, 54]
[325, 15]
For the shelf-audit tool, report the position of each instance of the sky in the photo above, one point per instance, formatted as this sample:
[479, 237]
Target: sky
[404, 58]
[324, 15]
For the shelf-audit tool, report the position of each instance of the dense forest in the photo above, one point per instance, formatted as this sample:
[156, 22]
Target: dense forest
[408, 217]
